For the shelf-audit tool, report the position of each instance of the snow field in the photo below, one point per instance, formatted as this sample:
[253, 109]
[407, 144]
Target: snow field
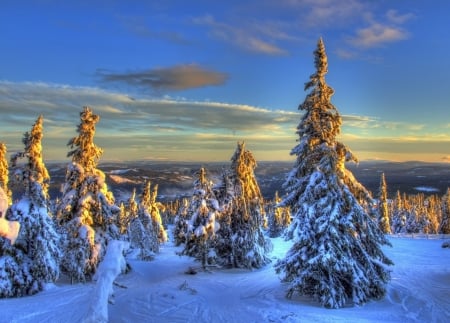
[160, 291]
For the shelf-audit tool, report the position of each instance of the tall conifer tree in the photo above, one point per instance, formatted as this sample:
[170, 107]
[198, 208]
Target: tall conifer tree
[383, 208]
[87, 211]
[4, 173]
[240, 241]
[34, 258]
[279, 218]
[336, 256]
[445, 223]
[202, 225]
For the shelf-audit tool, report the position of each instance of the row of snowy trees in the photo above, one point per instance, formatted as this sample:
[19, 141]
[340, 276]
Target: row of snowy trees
[223, 224]
[413, 213]
[70, 234]
[336, 256]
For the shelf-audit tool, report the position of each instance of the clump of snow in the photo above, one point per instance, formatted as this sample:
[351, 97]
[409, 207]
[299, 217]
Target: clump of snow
[9, 229]
[112, 265]
[3, 202]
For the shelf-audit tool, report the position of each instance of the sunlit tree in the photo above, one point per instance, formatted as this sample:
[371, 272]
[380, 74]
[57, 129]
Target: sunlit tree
[202, 224]
[445, 223]
[336, 257]
[87, 212]
[4, 173]
[383, 207]
[241, 241]
[279, 217]
[33, 261]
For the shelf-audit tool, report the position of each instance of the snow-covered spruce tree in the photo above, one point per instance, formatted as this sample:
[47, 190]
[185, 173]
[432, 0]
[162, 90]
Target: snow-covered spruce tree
[383, 208]
[35, 170]
[202, 225]
[445, 223]
[241, 241]
[279, 217]
[181, 223]
[149, 205]
[87, 212]
[4, 172]
[143, 236]
[36, 252]
[398, 214]
[127, 213]
[336, 257]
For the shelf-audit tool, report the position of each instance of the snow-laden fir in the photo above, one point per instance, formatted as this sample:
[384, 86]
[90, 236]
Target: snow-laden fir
[336, 257]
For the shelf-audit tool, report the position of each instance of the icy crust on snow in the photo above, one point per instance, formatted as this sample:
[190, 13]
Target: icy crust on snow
[160, 291]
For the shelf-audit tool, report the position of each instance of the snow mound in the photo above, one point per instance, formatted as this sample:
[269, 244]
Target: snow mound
[112, 265]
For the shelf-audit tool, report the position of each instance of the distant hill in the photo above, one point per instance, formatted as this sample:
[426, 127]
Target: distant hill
[175, 178]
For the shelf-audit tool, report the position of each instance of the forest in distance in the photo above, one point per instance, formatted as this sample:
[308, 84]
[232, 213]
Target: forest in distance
[175, 178]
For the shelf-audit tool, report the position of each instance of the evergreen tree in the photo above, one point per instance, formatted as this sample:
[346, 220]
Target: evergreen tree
[4, 173]
[149, 204]
[146, 229]
[87, 211]
[279, 217]
[241, 241]
[181, 223]
[383, 208]
[33, 260]
[35, 170]
[398, 214]
[202, 225]
[142, 234]
[445, 223]
[336, 256]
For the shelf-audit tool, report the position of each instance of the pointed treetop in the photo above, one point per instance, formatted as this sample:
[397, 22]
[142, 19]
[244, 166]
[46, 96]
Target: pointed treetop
[321, 60]
[86, 153]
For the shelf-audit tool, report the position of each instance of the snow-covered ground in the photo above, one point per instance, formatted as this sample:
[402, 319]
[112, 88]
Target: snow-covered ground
[161, 291]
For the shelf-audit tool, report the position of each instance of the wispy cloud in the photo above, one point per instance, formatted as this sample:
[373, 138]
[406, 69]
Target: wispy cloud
[324, 13]
[382, 30]
[175, 78]
[141, 27]
[130, 127]
[394, 17]
[377, 35]
[135, 128]
[247, 36]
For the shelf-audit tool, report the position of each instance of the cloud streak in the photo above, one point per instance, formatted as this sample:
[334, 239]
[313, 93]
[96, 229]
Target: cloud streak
[136, 128]
[175, 78]
[249, 37]
[377, 35]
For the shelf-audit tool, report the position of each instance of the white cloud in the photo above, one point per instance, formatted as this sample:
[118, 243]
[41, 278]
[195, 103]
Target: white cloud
[133, 128]
[378, 34]
[136, 124]
[394, 17]
[247, 36]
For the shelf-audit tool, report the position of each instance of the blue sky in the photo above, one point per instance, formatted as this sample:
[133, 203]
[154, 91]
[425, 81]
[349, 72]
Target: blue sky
[186, 80]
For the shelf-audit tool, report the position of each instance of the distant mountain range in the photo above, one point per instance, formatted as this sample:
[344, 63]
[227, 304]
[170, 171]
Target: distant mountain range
[175, 179]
